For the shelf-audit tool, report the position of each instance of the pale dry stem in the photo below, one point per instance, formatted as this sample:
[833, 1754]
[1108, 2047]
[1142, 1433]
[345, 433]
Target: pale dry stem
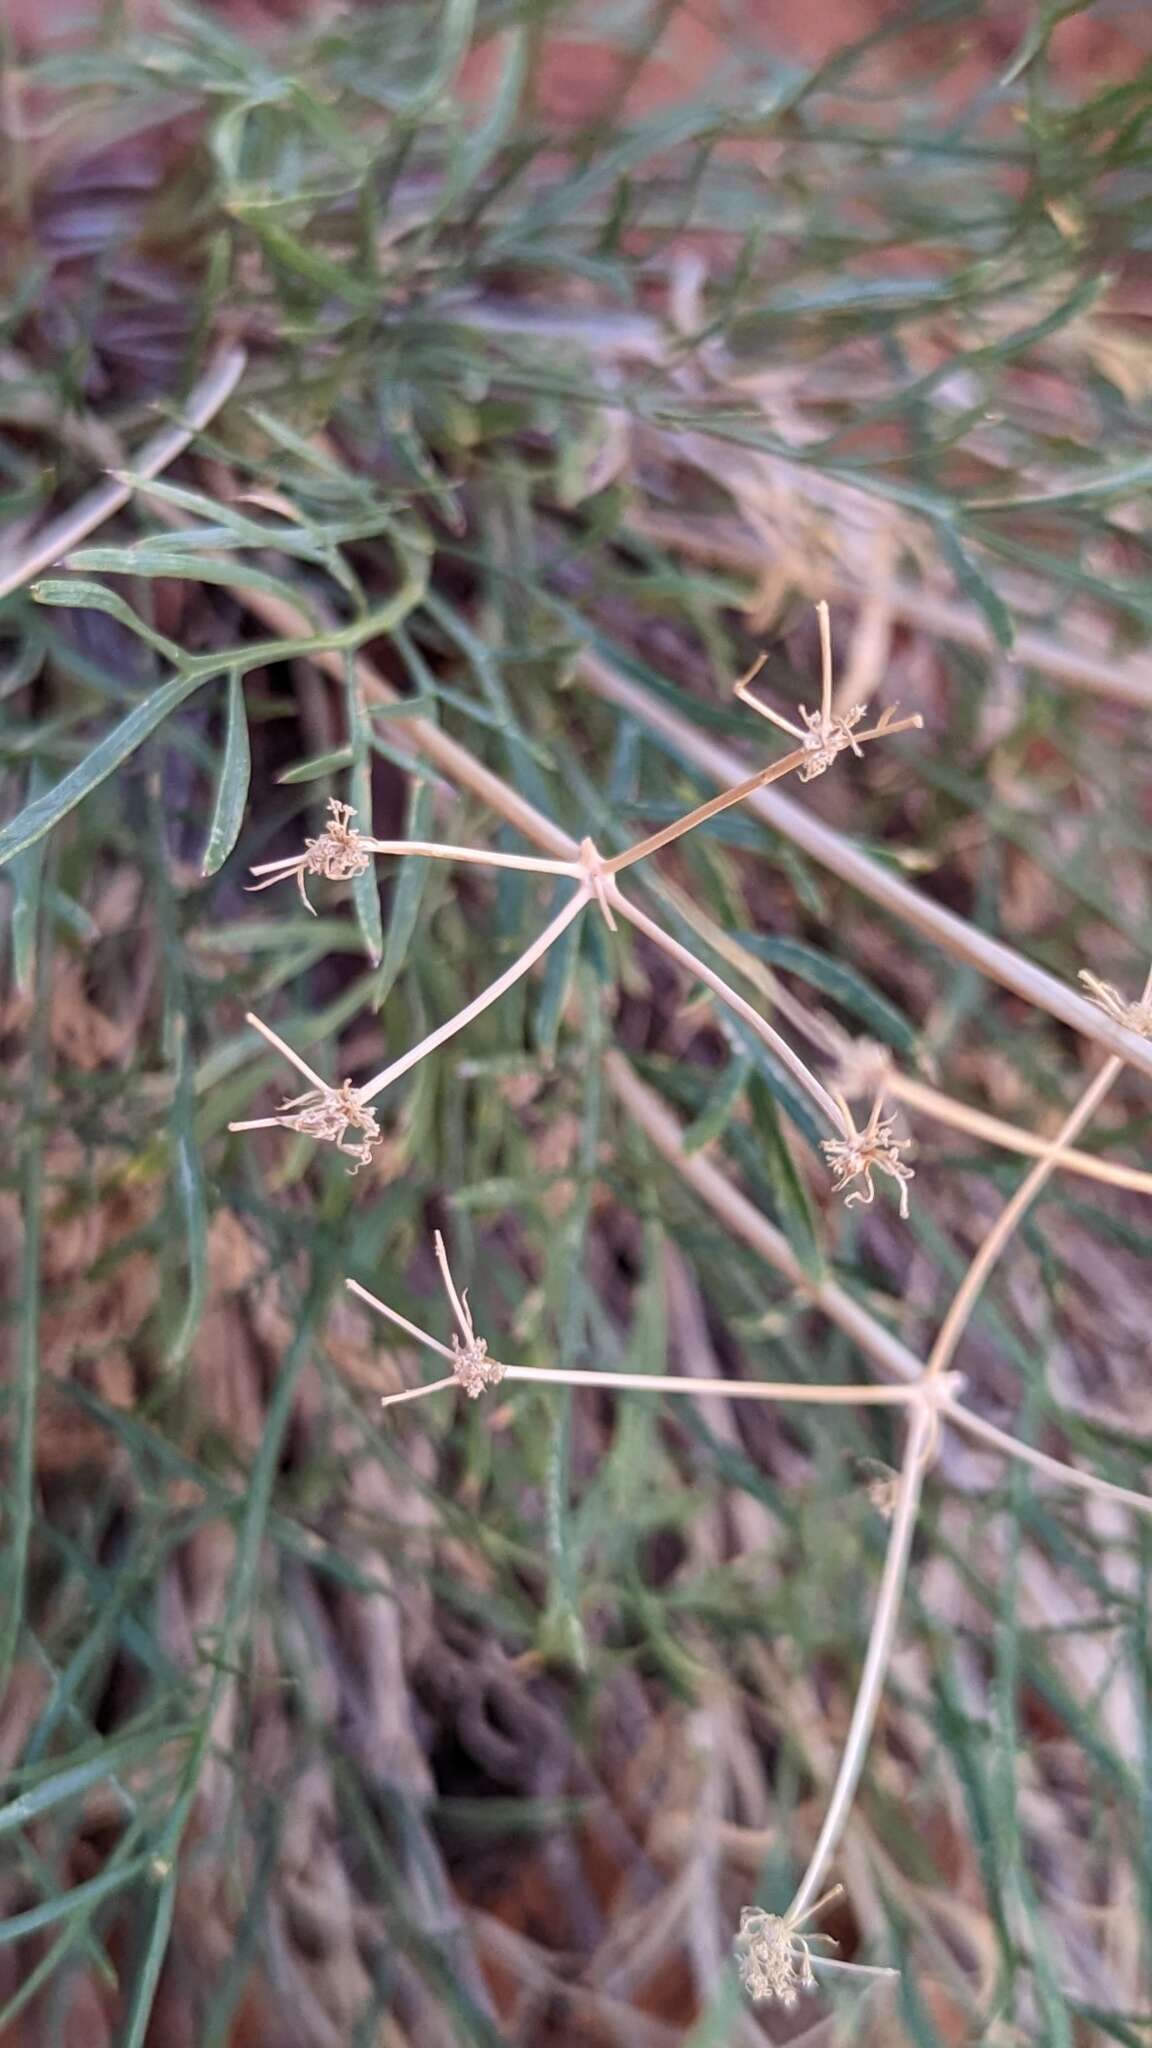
[964, 1301]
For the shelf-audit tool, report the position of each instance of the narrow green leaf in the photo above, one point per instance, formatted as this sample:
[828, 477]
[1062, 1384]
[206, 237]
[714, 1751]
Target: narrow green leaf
[365, 887]
[408, 891]
[844, 984]
[793, 1206]
[27, 877]
[975, 585]
[559, 967]
[720, 1106]
[162, 557]
[76, 595]
[232, 786]
[110, 753]
[318, 765]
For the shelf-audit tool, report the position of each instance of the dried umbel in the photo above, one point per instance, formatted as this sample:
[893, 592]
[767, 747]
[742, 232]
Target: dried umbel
[825, 734]
[861, 1153]
[472, 1369]
[339, 854]
[1135, 1017]
[322, 1112]
[773, 1957]
[329, 1114]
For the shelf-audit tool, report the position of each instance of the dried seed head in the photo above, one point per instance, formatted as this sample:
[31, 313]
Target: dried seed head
[773, 1960]
[883, 1491]
[1135, 1017]
[327, 1114]
[473, 1368]
[825, 734]
[860, 1154]
[339, 854]
[827, 737]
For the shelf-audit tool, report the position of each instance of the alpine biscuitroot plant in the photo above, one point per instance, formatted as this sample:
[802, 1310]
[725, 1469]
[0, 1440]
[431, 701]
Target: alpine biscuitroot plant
[382, 420]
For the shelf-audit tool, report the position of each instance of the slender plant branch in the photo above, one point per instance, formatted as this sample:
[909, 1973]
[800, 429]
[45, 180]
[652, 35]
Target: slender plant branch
[850, 1395]
[920, 1427]
[963, 941]
[492, 994]
[964, 1301]
[875, 1340]
[744, 1010]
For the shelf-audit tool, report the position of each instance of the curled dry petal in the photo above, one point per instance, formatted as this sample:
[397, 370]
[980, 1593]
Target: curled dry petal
[861, 1153]
[327, 1114]
[339, 854]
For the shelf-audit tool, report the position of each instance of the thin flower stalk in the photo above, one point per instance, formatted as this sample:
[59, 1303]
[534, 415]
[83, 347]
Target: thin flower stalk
[945, 1109]
[823, 736]
[788, 1058]
[964, 1301]
[887, 1352]
[327, 1113]
[519, 968]
[849, 1395]
[875, 880]
[341, 852]
[921, 1427]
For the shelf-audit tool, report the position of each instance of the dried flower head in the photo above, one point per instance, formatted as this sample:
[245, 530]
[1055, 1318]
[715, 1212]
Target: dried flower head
[339, 854]
[321, 1112]
[773, 1957]
[825, 734]
[327, 1114]
[471, 1366]
[861, 1153]
[1133, 1016]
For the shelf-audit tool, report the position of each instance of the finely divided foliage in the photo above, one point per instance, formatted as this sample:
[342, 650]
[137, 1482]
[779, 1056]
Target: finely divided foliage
[500, 447]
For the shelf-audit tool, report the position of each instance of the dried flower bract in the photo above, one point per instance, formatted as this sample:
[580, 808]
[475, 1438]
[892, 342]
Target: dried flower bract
[773, 1957]
[328, 1114]
[339, 854]
[861, 1153]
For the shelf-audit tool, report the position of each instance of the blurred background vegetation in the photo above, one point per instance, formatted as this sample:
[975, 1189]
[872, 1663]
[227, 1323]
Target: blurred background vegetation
[585, 347]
